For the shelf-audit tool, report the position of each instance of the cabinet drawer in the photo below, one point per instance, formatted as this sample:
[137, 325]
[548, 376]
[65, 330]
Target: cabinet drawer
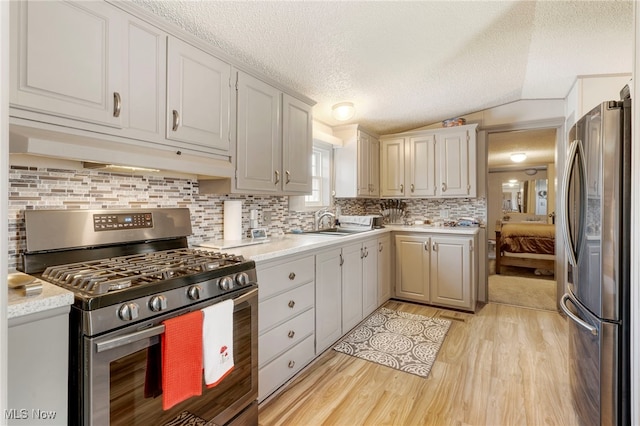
[284, 336]
[284, 367]
[285, 306]
[278, 278]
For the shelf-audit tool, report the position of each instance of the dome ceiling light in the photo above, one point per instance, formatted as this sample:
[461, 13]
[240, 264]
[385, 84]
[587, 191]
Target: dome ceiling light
[343, 111]
[518, 157]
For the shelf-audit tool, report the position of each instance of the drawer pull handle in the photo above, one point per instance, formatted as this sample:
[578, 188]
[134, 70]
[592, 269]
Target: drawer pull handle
[292, 364]
[292, 276]
[291, 304]
[117, 104]
[176, 121]
[277, 173]
[402, 188]
[288, 180]
[380, 247]
[291, 334]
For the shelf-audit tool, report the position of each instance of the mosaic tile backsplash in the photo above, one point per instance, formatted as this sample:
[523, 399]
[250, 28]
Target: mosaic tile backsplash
[49, 188]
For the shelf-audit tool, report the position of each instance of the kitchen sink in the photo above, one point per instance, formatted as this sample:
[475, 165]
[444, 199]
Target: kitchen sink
[338, 232]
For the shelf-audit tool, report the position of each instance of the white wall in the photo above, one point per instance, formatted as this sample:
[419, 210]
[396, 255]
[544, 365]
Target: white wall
[589, 91]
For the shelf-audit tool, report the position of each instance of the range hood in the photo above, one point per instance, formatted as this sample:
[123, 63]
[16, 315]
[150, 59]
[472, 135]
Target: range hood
[108, 152]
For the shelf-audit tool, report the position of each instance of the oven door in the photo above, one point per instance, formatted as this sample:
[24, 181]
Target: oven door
[115, 373]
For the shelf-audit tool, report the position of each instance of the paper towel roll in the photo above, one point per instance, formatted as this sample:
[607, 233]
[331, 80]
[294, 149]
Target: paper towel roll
[232, 220]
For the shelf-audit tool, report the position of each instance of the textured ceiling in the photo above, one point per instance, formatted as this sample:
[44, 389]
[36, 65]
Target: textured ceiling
[410, 64]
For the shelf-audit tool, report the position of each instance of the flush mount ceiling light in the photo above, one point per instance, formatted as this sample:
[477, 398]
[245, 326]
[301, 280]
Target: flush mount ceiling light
[343, 111]
[518, 157]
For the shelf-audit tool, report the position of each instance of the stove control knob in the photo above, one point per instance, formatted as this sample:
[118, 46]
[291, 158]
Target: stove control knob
[242, 278]
[158, 303]
[194, 292]
[128, 311]
[226, 283]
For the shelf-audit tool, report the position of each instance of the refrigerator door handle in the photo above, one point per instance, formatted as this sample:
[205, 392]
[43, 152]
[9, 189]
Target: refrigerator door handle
[575, 151]
[563, 305]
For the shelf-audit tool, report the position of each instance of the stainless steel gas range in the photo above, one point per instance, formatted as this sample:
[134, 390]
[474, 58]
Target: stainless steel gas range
[131, 271]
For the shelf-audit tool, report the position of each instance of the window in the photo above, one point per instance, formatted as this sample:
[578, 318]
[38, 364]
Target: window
[321, 176]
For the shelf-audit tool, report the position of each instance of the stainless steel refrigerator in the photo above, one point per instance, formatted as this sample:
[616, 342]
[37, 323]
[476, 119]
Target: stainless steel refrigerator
[595, 223]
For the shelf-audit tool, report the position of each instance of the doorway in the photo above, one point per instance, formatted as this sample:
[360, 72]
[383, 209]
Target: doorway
[521, 199]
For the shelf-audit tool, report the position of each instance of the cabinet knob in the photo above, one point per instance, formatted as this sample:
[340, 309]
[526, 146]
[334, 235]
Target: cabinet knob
[176, 120]
[290, 334]
[292, 276]
[291, 304]
[402, 188]
[444, 187]
[413, 188]
[117, 104]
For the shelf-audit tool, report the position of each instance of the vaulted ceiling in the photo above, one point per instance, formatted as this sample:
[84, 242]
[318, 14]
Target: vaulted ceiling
[410, 64]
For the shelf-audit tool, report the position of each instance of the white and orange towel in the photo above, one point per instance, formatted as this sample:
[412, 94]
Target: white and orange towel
[217, 342]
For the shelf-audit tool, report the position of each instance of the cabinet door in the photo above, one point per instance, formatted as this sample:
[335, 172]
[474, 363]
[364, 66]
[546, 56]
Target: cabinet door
[297, 145]
[144, 102]
[351, 286]
[453, 163]
[198, 87]
[259, 145]
[392, 160]
[412, 268]
[451, 272]
[384, 269]
[369, 276]
[422, 166]
[364, 164]
[328, 299]
[67, 59]
[374, 167]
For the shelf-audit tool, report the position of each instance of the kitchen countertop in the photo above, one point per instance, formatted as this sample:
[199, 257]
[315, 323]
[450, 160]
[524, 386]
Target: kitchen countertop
[51, 297]
[290, 244]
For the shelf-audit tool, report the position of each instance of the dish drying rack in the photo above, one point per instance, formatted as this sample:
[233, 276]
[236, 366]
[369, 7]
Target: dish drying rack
[393, 211]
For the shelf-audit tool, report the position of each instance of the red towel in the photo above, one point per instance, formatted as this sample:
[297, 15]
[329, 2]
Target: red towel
[181, 358]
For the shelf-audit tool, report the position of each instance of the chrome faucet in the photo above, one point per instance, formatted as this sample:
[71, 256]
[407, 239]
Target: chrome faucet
[321, 214]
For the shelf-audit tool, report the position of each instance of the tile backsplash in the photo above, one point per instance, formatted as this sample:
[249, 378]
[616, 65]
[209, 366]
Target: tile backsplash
[36, 187]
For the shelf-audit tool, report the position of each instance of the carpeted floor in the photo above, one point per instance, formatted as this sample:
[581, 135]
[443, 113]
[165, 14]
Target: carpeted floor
[522, 287]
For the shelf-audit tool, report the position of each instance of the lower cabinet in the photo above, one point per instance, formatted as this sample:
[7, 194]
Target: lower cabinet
[384, 269]
[285, 320]
[437, 269]
[328, 307]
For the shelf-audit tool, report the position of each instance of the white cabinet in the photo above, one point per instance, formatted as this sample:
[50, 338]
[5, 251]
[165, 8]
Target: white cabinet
[384, 269]
[357, 163]
[369, 276]
[413, 257]
[67, 59]
[346, 289]
[453, 272]
[437, 163]
[437, 269]
[285, 320]
[198, 91]
[274, 140]
[328, 298]
[351, 286]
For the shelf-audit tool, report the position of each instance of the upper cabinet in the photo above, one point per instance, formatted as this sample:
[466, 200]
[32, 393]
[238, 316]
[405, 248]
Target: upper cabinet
[357, 163]
[438, 163]
[274, 140]
[197, 97]
[67, 60]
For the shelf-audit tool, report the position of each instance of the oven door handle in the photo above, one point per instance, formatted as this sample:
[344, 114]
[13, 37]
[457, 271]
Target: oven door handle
[154, 331]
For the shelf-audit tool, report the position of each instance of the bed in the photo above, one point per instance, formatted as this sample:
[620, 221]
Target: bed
[526, 245]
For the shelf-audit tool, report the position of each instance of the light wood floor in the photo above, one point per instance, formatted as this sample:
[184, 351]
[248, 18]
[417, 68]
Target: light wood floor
[502, 366]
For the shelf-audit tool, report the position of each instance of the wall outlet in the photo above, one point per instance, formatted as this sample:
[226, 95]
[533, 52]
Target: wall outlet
[444, 214]
[266, 218]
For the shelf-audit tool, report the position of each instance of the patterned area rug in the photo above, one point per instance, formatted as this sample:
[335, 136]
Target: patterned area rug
[406, 342]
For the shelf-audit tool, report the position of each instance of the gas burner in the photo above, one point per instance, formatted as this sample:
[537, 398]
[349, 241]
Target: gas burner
[106, 275]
